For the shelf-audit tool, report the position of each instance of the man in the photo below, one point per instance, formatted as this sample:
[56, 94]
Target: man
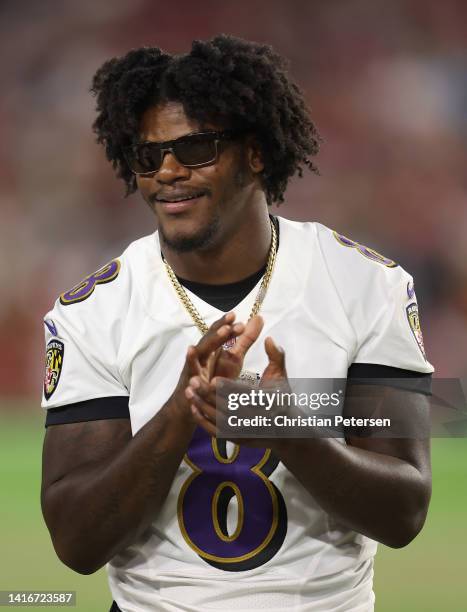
[132, 476]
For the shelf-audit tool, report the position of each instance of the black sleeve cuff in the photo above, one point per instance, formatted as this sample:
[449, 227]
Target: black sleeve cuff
[90, 410]
[376, 374]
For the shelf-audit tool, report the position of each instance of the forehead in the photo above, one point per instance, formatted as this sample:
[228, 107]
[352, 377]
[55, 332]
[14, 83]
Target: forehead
[168, 121]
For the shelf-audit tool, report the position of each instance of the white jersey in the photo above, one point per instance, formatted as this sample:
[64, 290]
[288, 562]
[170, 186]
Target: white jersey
[124, 333]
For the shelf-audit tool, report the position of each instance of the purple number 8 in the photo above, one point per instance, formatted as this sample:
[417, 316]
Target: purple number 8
[204, 499]
[366, 251]
[84, 289]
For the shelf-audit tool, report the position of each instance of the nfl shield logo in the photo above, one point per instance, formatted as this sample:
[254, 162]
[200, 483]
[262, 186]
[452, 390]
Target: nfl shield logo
[53, 366]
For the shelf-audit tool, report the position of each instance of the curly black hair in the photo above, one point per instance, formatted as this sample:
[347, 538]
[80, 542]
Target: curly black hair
[241, 85]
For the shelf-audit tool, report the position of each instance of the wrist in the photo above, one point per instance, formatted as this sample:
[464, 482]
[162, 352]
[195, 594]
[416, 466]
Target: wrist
[179, 408]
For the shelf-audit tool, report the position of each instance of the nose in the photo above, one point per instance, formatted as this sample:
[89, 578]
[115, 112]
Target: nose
[171, 170]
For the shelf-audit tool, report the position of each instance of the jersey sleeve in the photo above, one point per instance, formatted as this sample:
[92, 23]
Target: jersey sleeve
[379, 299]
[82, 340]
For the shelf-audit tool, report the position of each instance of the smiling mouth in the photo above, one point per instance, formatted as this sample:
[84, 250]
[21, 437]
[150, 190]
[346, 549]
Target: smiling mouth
[181, 198]
[180, 205]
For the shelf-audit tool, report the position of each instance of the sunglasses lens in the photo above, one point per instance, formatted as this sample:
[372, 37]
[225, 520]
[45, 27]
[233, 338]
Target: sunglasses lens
[144, 159]
[192, 151]
[195, 151]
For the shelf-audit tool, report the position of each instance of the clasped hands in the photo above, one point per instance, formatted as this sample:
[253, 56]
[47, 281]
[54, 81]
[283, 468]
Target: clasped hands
[212, 367]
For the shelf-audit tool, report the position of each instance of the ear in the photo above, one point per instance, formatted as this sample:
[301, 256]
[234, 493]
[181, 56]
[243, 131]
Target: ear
[254, 156]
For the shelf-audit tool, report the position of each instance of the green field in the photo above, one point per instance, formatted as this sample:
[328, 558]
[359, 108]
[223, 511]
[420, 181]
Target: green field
[427, 576]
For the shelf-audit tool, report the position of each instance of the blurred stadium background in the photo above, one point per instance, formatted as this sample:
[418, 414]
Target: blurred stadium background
[387, 85]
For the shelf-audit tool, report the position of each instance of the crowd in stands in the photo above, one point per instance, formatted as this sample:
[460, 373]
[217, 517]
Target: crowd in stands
[386, 83]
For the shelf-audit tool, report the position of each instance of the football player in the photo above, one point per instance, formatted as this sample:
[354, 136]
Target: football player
[132, 475]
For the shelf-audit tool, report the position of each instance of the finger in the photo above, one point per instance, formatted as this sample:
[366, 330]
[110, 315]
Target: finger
[228, 317]
[215, 337]
[202, 387]
[228, 364]
[250, 334]
[224, 385]
[209, 395]
[205, 393]
[275, 354]
[276, 365]
[190, 393]
[212, 361]
[207, 410]
[226, 392]
[192, 361]
[202, 422]
[237, 330]
[196, 365]
[212, 395]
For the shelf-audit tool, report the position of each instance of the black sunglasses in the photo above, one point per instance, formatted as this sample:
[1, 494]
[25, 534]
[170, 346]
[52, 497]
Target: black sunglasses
[192, 151]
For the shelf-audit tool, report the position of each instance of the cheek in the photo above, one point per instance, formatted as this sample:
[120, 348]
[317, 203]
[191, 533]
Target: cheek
[144, 186]
[225, 177]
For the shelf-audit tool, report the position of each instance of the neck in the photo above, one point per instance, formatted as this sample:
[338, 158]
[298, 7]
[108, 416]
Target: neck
[241, 250]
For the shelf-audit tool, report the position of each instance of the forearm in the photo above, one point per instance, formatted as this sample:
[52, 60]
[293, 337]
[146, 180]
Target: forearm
[377, 495]
[99, 509]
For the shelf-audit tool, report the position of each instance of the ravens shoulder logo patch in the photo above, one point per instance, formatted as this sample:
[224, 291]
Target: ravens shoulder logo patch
[53, 366]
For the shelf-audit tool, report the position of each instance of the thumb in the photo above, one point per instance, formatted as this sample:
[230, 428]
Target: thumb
[275, 354]
[249, 336]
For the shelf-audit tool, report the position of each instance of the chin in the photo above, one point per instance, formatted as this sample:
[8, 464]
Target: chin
[185, 241]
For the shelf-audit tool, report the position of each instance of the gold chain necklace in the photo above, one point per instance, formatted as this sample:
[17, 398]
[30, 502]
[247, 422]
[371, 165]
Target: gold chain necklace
[197, 318]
